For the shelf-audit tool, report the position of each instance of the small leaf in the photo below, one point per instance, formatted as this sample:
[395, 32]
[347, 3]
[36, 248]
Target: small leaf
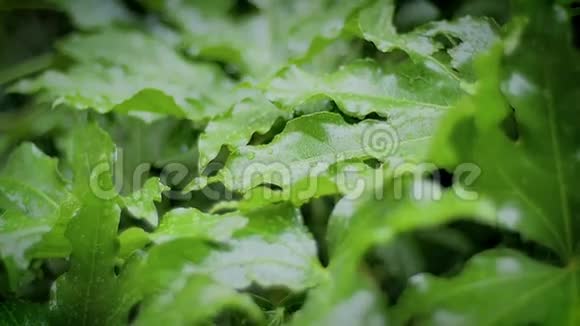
[36, 202]
[141, 203]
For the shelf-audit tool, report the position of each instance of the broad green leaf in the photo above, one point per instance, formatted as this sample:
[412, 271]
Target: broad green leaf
[531, 179]
[410, 206]
[404, 91]
[174, 306]
[141, 203]
[474, 35]
[91, 14]
[36, 202]
[23, 314]
[88, 293]
[309, 145]
[236, 127]
[108, 76]
[273, 250]
[262, 42]
[523, 292]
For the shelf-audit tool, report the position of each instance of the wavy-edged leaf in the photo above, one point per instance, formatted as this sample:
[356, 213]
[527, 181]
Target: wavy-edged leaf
[273, 250]
[403, 91]
[174, 306]
[259, 43]
[349, 179]
[236, 127]
[192, 223]
[524, 291]
[531, 180]
[141, 203]
[36, 202]
[310, 144]
[108, 76]
[468, 36]
[88, 293]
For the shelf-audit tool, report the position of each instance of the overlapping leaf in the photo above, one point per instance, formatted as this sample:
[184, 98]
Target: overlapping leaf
[401, 90]
[36, 202]
[309, 145]
[468, 36]
[141, 203]
[236, 127]
[272, 249]
[110, 76]
[259, 43]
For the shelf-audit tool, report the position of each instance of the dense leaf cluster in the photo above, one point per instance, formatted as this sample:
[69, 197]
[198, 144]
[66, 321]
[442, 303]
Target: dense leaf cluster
[274, 162]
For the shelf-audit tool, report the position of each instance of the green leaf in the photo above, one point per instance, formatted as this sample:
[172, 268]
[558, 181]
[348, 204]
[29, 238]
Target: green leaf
[403, 91]
[192, 223]
[356, 226]
[142, 146]
[309, 145]
[474, 35]
[258, 43]
[272, 250]
[236, 127]
[23, 314]
[141, 203]
[524, 292]
[90, 14]
[36, 202]
[88, 293]
[174, 305]
[518, 175]
[344, 178]
[109, 77]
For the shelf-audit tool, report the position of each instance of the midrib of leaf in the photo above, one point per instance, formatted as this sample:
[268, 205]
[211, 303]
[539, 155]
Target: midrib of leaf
[10, 314]
[539, 212]
[558, 164]
[32, 189]
[387, 99]
[575, 290]
[484, 283]
[93, 253]
[525, 298]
